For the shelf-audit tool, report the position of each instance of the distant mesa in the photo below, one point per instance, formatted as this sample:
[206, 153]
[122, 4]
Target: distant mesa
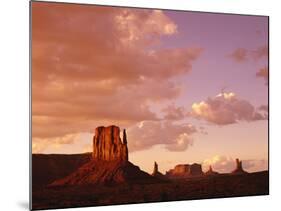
[211, 172]
[185, 170]
[109, 163]
[239, 168]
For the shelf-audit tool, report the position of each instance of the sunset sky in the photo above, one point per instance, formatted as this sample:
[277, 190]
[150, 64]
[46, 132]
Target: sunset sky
[187, 86]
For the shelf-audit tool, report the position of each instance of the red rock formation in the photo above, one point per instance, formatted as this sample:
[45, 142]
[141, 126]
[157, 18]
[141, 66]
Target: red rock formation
[107, 144]
[99, 172]
[185, 170]
[110, 163]
[195, 169]
[210, 172]
[156, 172]
[181, 169]
[49, 167]
[155, 169]
[239, 169]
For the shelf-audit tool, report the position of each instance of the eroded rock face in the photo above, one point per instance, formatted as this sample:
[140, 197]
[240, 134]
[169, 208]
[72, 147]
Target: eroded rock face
[185, 170]
[239, 169]
[105, 172]
[180, 169]
[110, 163]
[195, 169]
[108, 146]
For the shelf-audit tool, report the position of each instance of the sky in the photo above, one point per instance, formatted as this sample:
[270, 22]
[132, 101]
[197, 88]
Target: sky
[187, 86]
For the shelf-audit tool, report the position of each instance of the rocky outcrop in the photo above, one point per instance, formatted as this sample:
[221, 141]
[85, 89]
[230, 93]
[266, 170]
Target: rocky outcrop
[210, 172]
[99, 172]
[185, 170]
[156, 172]
[107, 144]
[239, 168]
[109, 164]
[155, 169]
[47, 168]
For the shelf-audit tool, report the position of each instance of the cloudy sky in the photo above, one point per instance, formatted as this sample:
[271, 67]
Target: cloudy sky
[188, 87]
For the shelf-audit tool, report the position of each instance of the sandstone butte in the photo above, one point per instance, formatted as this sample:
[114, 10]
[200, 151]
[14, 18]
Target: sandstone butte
[109, 164]
[108, 146]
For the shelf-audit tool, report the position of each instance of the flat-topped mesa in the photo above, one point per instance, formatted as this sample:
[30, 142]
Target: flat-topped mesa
[185, 170]
[108, 146]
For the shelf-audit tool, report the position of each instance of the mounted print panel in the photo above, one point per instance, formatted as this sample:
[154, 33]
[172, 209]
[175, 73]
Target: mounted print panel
[135, 105]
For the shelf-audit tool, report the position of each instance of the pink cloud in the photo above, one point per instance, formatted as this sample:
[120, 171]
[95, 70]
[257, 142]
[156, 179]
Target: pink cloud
[226, 108]
[173, 112]
[243, 54]
[239, 55]
[39, 145]
[99, 65]
[264, 108]
[134, 25]
[175, 137]
[260, 52]
[263, 73]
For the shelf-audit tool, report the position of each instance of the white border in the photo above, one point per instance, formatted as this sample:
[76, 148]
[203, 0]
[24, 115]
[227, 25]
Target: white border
[14, 110]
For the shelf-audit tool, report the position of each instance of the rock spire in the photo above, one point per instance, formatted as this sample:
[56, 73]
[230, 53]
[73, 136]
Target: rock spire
[239, 169]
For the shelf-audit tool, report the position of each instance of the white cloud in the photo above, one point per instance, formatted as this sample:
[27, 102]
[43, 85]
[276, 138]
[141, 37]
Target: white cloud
[226, 108]
[143, 27]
